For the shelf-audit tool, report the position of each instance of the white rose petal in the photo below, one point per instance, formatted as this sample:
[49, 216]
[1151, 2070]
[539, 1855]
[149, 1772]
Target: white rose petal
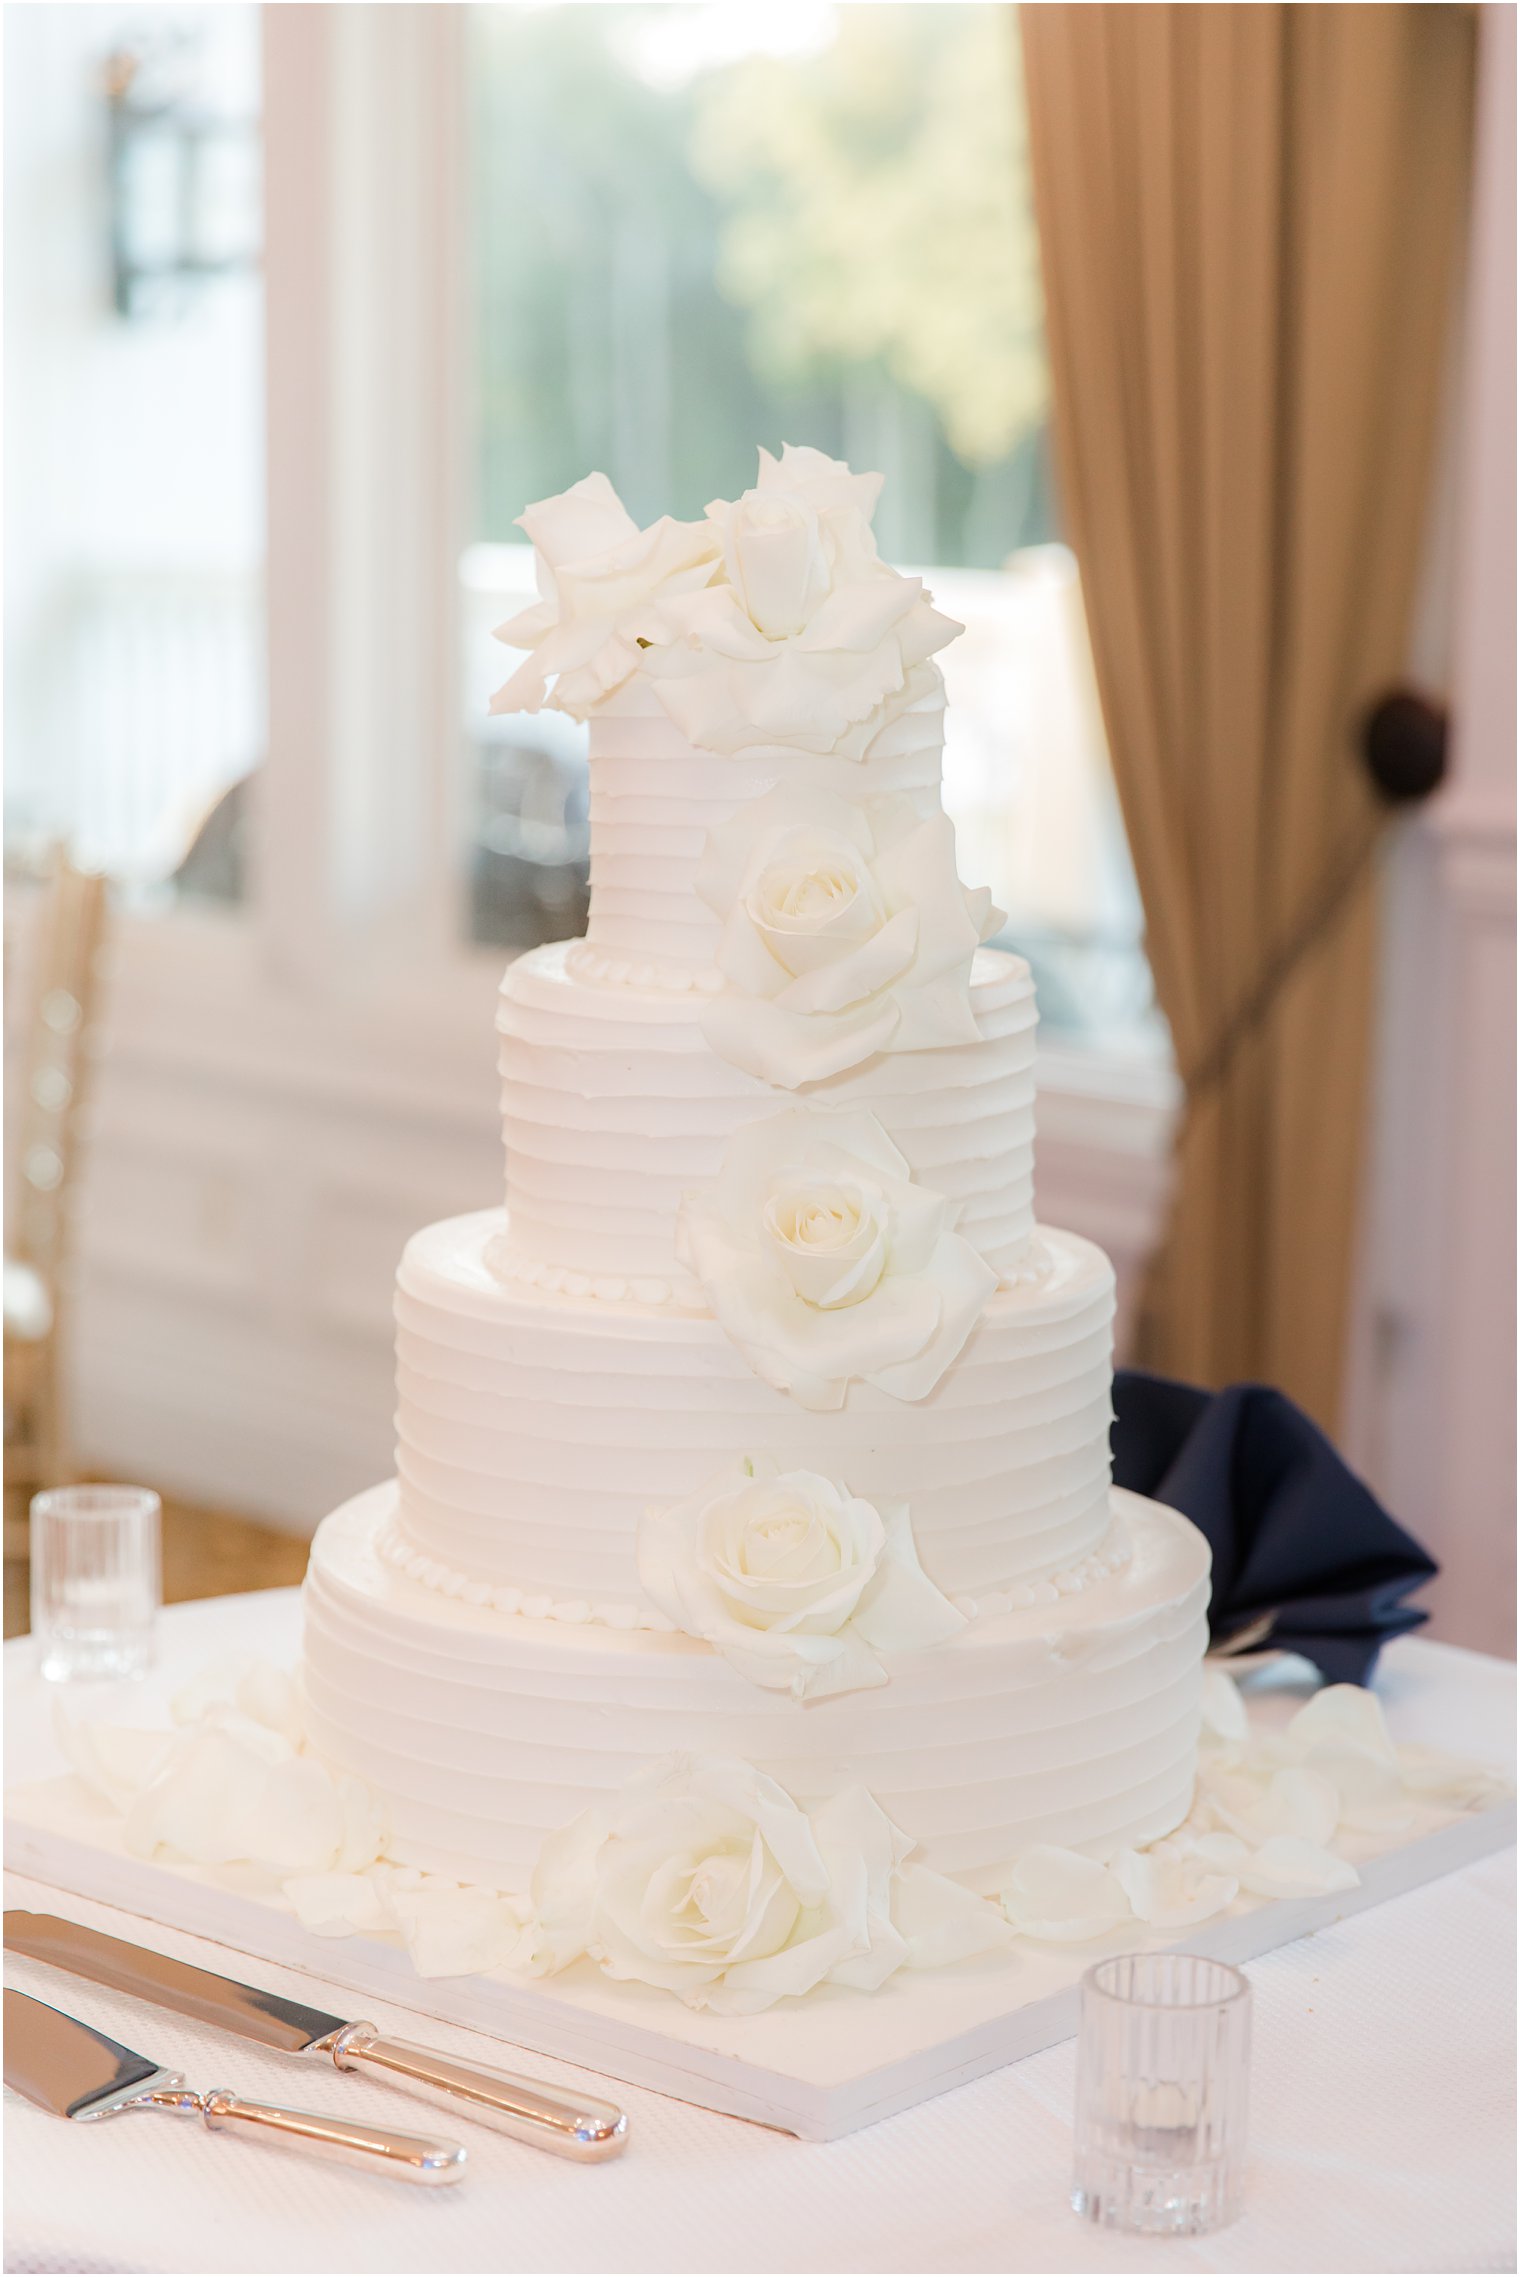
[773, 552]
[1062, 1897]
[1171, 1893]
[294, 1823]
[1286, 1868]
[214, 1685]
[115, 1762]
[339, 1904]
[1223, 1709]
[942, 1922]
[454, 1932]
[1295, 1801]
[201, 1806]
[1455, 1781]
[1342, 1713]
[270, 1696]
[824, 1262]
[599, 575]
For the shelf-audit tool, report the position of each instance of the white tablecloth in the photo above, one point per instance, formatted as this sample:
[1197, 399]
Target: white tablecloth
[1382, 2133]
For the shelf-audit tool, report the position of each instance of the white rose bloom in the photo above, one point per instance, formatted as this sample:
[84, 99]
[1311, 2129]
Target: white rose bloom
[705, 1878]
[811, 642]
[598, 576]
[846, 932]
[798, 1584]
[823, 1261]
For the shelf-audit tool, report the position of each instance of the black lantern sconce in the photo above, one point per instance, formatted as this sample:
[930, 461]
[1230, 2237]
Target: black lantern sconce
[184, 192]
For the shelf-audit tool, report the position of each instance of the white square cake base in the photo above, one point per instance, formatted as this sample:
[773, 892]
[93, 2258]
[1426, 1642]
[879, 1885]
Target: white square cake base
[818, 2068]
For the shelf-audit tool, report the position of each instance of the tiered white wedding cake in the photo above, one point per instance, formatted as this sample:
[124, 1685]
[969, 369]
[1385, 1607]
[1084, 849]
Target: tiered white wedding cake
[752, 1588]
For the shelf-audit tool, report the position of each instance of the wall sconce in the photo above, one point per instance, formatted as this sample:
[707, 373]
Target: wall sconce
[184, 193]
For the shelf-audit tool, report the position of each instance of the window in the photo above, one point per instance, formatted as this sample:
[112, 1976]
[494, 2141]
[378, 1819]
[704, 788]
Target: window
[698, 228]
[134, 461]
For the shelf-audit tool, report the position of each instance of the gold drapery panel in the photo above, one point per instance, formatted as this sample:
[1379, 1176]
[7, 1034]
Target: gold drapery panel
[1251, 219]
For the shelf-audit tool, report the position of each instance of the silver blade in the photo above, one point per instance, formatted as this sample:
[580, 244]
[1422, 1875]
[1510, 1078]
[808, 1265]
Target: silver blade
[263, 2016]
[54, 2060]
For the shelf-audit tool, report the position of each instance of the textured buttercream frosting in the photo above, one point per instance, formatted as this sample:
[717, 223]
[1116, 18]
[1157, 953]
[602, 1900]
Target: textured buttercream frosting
[484, 1732]
[614, 1106]
[533, 1432]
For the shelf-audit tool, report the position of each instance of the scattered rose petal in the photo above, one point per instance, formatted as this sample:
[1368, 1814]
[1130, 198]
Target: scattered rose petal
[1287, 1868]
[1223, 1709]
[1171, 1893]
[115, 1762]
[1456, 1781]
[942, 1921]
[453, 1932]
[1342, 1712]
[339, 1905]
[270, 1696]
[1296, 1801]
[1062, 1897]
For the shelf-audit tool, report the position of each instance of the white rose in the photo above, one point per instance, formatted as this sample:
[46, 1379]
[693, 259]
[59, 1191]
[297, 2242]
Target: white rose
[598, 575]
[811, 642]
[796, 1582]
[705, 1878]
[846, 932]
[823, 1261]
[773, 552]
[831, 1241]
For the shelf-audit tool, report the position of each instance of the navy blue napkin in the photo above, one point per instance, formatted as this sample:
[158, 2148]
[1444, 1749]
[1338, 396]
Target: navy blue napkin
[1301, 1548]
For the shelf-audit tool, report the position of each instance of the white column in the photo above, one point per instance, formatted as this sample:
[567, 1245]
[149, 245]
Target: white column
[364, 149]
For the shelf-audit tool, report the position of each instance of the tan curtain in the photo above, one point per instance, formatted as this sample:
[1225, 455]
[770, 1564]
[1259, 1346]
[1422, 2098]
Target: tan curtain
[1250, 218]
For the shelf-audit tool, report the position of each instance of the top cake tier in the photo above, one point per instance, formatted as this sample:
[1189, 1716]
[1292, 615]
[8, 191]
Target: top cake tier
[656, 800]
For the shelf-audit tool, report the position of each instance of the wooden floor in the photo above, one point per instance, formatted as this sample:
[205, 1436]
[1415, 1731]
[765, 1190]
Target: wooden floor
[207, 1553]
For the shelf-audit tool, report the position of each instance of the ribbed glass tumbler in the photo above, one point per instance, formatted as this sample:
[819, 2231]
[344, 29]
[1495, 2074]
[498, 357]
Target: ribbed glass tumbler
[95, 1580]
[1163, 2061]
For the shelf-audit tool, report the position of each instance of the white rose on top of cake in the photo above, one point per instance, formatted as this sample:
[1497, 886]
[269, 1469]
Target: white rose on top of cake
[751, 1604]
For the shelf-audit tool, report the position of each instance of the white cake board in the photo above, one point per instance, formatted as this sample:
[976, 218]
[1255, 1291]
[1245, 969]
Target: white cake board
[818, 2069]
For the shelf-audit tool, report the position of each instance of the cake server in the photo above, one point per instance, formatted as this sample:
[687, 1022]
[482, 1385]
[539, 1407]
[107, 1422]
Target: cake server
[76, 2072]
[572, 2126]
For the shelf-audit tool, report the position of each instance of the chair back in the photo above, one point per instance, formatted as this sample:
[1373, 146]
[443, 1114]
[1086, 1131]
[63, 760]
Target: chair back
[53, 1077]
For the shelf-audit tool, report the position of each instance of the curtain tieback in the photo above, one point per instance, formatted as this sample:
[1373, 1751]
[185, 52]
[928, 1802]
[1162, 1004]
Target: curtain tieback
[1403, 744]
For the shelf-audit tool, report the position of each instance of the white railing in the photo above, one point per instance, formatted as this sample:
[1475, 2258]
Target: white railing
[131, 710]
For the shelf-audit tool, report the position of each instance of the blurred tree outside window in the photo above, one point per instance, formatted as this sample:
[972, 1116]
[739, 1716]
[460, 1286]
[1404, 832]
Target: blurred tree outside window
[699, 228]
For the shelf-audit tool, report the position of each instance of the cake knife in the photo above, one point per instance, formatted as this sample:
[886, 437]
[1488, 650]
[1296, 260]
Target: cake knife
[75, 2072]
[571, 2126]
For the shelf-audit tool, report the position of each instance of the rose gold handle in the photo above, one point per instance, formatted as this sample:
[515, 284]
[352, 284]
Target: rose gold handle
[344, 2142]
[581, 2127]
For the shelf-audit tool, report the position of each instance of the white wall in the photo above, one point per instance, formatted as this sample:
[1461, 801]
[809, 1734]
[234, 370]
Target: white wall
[1433, 1379]
[130, 447]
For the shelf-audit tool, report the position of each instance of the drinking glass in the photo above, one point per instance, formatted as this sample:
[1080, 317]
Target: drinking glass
[1163, 2055]
[95, 1580]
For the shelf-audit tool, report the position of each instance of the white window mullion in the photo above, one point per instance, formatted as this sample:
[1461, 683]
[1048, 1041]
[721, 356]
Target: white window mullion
[359, 827]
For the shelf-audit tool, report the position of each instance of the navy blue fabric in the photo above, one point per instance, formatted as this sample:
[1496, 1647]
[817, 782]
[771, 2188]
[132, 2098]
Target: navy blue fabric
[1293, 1533]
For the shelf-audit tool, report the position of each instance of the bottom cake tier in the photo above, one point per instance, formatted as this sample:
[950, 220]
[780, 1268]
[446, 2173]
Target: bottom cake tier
[1074, 1723]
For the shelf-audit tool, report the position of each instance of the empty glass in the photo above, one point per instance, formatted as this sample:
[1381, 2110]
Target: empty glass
[95, 1580]
[1163, 2056]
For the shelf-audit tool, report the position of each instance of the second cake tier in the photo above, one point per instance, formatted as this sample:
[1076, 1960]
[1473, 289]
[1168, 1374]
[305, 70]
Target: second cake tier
[534, 1432]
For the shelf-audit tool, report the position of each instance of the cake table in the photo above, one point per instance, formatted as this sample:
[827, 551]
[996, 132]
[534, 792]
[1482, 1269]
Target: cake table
[1382, 2132]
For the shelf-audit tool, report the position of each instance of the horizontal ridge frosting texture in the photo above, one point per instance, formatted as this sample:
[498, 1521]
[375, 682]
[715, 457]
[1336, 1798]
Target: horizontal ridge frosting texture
[614, 1105]
[533, 1431]
[482, 1732]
